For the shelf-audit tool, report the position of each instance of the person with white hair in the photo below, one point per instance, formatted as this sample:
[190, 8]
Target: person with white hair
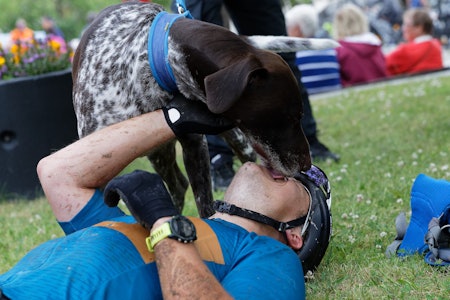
[319, 68]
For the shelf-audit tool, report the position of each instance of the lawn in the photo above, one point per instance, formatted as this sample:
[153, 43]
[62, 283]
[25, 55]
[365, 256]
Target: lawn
[386, 135]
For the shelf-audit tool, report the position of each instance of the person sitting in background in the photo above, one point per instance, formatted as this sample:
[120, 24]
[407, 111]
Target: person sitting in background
[54, 35]
[21, 33]
[49, 26]
[420, 52]
[360, 56]
[319, 68]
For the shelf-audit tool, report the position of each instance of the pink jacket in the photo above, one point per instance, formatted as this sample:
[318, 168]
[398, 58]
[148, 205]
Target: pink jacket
[361, 60]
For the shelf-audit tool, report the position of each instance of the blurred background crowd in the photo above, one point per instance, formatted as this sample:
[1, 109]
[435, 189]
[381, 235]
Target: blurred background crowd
[67, 20]
[384, 16]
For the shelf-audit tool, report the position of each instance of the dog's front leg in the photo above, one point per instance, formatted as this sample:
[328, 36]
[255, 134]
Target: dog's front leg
[240, 144]
[164, 162]
[196, 162]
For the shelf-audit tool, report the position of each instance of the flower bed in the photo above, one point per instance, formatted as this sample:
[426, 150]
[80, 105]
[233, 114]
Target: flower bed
[33, 58]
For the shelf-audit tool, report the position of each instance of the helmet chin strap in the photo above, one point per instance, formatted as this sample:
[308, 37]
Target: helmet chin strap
[231, 209]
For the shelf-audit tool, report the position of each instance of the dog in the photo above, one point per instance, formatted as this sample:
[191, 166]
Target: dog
[117, 75]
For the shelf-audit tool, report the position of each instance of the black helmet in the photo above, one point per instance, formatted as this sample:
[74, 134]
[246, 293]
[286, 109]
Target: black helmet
[316, 231]
[318, 226]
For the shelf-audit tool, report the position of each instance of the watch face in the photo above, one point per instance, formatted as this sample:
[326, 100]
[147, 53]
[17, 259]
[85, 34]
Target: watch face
[183, 228]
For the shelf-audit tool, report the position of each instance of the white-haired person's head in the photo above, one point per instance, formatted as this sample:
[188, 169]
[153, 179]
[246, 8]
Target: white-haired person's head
[302, 21]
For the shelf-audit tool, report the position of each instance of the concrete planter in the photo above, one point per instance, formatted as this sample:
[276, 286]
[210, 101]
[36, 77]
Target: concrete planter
[36, 118]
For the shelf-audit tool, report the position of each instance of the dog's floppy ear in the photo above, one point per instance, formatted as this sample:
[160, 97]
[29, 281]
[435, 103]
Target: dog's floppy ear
[224, 87]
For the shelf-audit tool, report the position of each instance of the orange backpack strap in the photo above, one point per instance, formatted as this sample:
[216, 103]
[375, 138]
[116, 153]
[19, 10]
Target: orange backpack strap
[207, 242]
[136, 233]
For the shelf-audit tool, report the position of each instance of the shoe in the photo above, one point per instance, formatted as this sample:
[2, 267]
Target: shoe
[320, 152]
[222, 172]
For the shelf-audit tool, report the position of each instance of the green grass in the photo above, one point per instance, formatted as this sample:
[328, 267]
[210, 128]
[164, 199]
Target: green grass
[386, 136]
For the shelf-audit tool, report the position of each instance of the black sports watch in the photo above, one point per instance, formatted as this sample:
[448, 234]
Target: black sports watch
[178, 228]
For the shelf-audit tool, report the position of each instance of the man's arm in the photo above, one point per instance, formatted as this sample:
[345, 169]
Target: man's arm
[183, 274]
[69, 176]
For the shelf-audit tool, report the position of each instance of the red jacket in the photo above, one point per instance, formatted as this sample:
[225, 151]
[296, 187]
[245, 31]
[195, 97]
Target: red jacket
[415, 57]
[360, 62]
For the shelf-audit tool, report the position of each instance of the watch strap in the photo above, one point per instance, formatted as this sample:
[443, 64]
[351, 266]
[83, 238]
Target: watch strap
[157, 235]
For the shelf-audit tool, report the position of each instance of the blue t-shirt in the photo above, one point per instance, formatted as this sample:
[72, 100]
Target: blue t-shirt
[320, 70]
[107, 261]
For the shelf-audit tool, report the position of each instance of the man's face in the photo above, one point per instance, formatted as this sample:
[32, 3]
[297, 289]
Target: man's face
[257, 188]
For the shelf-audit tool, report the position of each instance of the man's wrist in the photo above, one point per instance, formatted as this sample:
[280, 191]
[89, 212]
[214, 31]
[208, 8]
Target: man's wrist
[160, 231]
[166, 124]
[159, 222]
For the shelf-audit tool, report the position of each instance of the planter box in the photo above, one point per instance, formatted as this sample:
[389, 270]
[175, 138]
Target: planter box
[36, 118]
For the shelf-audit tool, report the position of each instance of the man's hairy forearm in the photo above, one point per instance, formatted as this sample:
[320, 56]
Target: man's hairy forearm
[183, 274]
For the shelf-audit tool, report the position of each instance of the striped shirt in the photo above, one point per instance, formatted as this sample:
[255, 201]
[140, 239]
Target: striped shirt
[320, 70]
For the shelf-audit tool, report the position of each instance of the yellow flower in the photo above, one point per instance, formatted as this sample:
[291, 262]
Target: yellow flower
[54, 45]
[16, 59]
[15, 49]
[2, 61]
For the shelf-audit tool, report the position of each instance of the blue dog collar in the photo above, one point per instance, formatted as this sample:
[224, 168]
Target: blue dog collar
[158, 49]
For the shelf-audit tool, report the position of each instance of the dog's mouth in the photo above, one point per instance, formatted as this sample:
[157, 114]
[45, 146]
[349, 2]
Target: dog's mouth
[266, 163]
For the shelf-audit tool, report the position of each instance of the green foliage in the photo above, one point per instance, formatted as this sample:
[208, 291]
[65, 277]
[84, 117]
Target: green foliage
[386, 135]
[70, 15]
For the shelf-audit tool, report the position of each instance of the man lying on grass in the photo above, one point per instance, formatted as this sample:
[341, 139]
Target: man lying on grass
[245, 250]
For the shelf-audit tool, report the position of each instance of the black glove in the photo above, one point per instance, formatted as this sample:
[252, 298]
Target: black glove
[144, 194]
[190, 116]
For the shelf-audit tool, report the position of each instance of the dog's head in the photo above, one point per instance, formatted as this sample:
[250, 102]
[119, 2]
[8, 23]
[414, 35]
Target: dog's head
[245, 80]
[262, 95]
[260, 92]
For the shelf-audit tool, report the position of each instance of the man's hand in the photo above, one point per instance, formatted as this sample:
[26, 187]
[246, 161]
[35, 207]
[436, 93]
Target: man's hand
[144, 194]
[188, 116]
